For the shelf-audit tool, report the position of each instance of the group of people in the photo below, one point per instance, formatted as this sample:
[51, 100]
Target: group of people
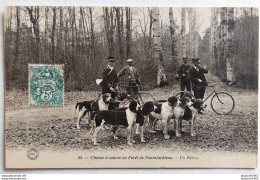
[192, 77]
[110, 77]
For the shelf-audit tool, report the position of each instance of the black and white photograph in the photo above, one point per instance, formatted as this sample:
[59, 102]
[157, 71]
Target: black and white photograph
[130, 87]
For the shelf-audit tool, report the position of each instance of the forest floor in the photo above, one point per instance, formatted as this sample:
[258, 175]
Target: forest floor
[54, 129]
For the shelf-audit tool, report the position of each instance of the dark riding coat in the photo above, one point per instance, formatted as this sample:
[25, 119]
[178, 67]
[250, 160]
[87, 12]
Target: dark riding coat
[194, 75]
[184, 70]
[109, 80]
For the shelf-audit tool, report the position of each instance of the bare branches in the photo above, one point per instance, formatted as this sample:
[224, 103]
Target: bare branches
[82, 37]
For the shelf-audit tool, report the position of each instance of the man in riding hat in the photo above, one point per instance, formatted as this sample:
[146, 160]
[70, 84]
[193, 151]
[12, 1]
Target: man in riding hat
[131, 75]
[110, 80]
[196, 75]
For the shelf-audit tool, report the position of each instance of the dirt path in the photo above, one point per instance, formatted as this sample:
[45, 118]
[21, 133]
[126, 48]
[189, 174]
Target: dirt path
[55, 128]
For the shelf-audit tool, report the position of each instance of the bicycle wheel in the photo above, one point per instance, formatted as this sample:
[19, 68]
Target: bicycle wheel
[222, 103]
[184, 92]
[144, 96]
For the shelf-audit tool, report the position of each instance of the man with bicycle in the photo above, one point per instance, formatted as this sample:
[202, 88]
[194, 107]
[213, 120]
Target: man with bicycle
[132, 76]
[196, 75]
[110, 79]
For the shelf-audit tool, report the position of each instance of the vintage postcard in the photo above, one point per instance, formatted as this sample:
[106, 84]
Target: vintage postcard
[131, 87]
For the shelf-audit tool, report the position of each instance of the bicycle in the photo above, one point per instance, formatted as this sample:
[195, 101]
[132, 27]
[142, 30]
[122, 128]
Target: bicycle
[140, 96]
[221, 103]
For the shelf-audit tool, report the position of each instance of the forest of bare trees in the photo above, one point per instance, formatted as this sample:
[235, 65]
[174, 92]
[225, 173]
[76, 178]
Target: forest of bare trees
[82, 38]
[234, 45]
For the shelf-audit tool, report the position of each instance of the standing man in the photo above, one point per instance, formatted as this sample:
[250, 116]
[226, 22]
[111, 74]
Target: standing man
[110, 80]
[196, 75]
[131, 75]
[183, 73]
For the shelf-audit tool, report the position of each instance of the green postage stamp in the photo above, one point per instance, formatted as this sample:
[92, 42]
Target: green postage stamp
[46, 86]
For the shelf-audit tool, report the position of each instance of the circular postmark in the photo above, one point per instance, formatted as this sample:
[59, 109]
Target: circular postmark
[32, 153]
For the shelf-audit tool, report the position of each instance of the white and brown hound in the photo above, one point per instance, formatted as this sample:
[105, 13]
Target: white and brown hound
[91, 106]
[145, 111]
[123, 117]
[165, 113]
[188, 113]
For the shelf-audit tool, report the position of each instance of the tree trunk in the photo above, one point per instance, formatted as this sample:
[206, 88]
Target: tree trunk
[195, 37]
[223, 47]
[84, 25]
[150, 33]
[93, 49]
[111, 31]
[212, 39]
[66, 48]
[128, 32]
[230, 40]
[253, 51]
[216, 39]
[173, 41]
[109, 28]
[37, 33]
[218, 43]
[53, 35]
[119, 36]
[192, 33]
[72, 52]
[9, 19]
[161, 76]
[183, 33]
[34, 18]
[122, 33]
[85, 35]
[46, 30]
[17, 41]
[190, 13]
[61, 50]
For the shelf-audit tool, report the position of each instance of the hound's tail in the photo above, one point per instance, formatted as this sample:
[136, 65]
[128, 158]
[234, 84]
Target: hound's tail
[77, 106]
[94, 117]
[94, 121]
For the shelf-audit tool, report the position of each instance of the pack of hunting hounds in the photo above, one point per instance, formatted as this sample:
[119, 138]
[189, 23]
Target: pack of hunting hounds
[107, 113]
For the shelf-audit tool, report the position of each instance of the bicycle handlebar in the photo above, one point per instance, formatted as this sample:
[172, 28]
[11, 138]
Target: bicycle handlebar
[210, 84]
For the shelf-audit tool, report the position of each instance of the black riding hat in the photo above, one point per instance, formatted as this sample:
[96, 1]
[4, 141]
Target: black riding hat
[111, 59]
[195, 59]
